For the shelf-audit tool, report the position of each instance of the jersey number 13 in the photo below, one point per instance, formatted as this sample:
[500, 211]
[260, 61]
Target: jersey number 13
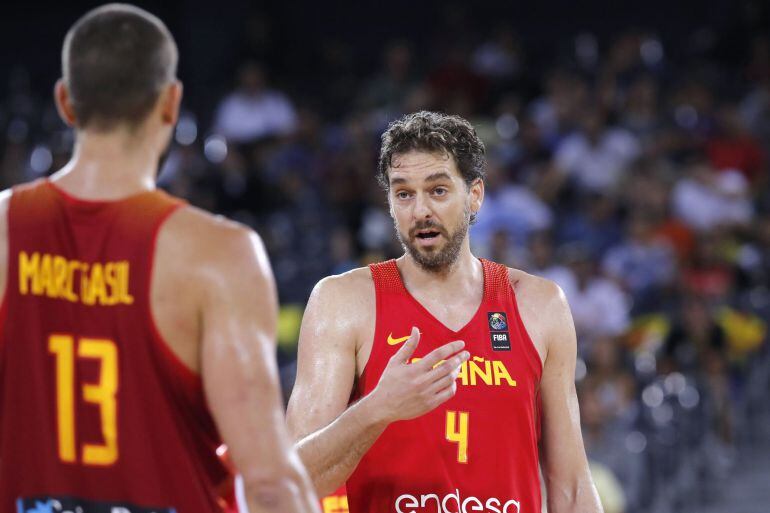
[66, 350]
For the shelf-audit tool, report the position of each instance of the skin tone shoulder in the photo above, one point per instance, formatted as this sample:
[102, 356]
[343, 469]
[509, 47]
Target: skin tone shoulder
[431, 207]
[213, 298]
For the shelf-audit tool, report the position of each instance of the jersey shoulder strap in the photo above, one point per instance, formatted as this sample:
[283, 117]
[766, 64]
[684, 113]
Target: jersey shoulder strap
[386, 277]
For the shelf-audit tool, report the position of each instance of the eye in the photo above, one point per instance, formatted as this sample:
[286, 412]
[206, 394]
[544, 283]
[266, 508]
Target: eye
[402, 195]
[440, 191]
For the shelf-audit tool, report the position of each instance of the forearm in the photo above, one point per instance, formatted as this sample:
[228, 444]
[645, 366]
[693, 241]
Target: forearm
[290, 491]
[579, 497]
[333, 452]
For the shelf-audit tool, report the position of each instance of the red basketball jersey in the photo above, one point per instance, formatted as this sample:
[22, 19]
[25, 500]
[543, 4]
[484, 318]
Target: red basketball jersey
[96, 412]
[478, 451]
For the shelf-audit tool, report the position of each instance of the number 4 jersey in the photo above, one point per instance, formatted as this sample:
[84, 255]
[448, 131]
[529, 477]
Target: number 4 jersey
[477, 452]
[96, 413]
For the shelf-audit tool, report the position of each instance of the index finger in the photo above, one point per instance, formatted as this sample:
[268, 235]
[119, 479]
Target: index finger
[407, 350]
[441, 353]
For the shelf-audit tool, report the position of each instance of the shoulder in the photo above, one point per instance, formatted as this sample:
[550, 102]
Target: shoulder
[544, 310]
[339, 312]
[352, 289]
[5, 201]
[211, 243]
[542, 293]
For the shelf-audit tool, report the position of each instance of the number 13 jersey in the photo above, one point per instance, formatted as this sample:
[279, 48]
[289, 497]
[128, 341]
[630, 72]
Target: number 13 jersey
[477, 452]
[96, 413]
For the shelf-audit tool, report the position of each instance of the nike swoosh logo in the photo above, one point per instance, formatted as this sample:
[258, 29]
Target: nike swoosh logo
[395, 341]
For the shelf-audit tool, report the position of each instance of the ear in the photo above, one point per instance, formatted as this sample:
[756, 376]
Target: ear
[477, 195]
[170, 100]
[63, 103]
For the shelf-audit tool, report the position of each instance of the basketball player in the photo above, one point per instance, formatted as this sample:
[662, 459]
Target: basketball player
[134, 329]
[424, 380]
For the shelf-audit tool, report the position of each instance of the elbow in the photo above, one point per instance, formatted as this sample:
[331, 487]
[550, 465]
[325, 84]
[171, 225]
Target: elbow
[577, 497]
[315, 469]
[274, 490]
[270, 494]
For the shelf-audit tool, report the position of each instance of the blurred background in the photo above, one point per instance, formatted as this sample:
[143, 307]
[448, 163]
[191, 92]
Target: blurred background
[628, 156]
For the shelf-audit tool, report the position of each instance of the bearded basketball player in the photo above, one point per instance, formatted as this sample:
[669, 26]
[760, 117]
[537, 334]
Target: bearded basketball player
[134, 329]
[438, 382]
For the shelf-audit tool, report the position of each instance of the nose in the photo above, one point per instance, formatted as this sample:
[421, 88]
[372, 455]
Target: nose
[422, 208]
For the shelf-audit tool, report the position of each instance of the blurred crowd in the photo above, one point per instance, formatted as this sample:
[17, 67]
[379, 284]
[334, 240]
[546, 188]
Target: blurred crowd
[633, 174]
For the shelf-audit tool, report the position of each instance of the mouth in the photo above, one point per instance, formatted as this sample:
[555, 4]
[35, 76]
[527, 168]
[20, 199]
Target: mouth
[427, 237]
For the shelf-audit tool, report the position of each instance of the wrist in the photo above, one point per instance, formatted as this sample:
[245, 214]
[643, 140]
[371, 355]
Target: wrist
[375, 413]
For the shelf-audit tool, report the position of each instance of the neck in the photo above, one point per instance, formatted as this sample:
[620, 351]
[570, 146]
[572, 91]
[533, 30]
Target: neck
[109, 166]
[465, 270]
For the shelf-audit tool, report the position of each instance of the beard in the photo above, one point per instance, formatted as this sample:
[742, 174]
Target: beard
[436, 260]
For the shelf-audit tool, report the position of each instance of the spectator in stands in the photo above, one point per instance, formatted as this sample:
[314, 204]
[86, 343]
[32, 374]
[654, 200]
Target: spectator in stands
[597, 155]
[643, 263]
[733, 147]
[254, 111]
[595, 223]
[710, 273]
[706, 200]
[693, 337]
[599, 306]
[542, 261]
[510, 207]
[641, 115]
[608, 395]
[558, 111]
[499, 58]
[754, 257]
[386, 94]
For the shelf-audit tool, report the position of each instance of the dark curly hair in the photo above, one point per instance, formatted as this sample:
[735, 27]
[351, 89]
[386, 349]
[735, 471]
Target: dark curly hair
[433, 132]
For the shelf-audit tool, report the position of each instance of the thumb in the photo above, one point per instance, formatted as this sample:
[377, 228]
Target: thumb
[407, 350]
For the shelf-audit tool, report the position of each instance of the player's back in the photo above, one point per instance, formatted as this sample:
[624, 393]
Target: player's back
[95, 409]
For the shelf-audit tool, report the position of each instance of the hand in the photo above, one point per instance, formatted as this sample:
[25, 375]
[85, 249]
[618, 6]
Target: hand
[406, 391]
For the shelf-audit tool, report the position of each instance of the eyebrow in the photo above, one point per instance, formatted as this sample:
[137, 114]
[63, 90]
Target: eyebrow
[441, 175]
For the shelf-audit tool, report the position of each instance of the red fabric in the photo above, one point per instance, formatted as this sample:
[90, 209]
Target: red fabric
[165, 438]
[414, 465]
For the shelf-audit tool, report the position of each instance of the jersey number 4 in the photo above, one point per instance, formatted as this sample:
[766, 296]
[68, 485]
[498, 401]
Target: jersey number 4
[457, 432]
[65, 350]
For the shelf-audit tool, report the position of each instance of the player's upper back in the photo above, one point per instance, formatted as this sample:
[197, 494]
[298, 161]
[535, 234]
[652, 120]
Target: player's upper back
[94, 404]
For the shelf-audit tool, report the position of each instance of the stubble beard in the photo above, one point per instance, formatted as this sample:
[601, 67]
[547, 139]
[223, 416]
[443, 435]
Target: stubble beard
[436, 260]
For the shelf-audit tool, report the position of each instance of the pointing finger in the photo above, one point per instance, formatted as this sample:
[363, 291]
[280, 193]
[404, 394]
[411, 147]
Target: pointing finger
[441, 353]
[406, 351]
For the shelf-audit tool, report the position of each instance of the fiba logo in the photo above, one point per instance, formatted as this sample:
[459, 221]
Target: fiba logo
[498, 331]
[497, 321]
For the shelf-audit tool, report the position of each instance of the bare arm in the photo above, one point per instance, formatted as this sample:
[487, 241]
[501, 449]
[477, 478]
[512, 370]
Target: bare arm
[240, 376]
[565, 467]
[333, 438]
[5, 200]
[326, 369]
